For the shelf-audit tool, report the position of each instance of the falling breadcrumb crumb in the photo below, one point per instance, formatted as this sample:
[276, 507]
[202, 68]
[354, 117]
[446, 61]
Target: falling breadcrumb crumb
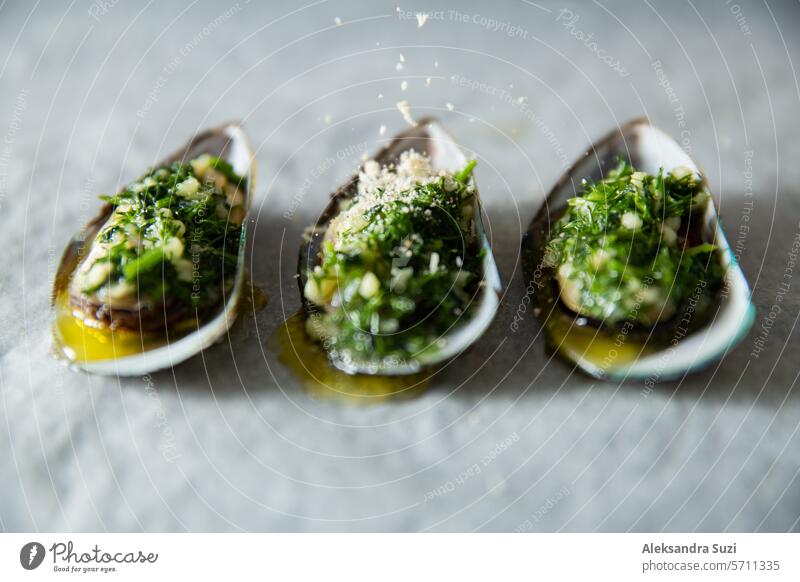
[404, 85]
[422, 18]
[405, 110]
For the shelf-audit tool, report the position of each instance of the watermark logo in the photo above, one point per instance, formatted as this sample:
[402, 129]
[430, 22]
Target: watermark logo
[31, 555]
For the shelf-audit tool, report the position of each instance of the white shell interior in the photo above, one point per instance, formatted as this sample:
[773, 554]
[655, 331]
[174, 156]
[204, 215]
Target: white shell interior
[240, 155]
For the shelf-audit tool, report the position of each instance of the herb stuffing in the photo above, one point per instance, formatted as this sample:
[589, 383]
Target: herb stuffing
[399, 264]
[171, 241]
[627, 248]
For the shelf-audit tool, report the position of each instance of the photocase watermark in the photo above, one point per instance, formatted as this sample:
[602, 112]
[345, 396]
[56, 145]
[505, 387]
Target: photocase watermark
[568, 19]
[320, 170]
[170, 68]
[785, 284]
[31, 555]
[168, 446]
[86, 201]
[196, 251]
[95, 560]
[677, 107]
[684, 324]
[743, 231]
[100, 8]
[321, 333]
[622, 334]
[519, 103]
[58, 376]
[473, 470]
[543, 510]
[682, 329]
[502, 26]
[534, 284]
[69, 560]
[741, 21]
[17, 115]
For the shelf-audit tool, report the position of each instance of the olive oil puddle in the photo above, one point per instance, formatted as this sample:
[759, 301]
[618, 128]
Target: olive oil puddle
[254, 298]
[310, 365]
[595, 346]
[80, 339]
[607, 349]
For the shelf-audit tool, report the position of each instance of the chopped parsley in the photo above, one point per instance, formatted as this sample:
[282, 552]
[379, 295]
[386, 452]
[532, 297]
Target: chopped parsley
[627, 248]
[399, 265]
[172, 239]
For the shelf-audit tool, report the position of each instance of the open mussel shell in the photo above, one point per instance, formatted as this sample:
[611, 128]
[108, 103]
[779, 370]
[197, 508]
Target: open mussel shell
[125, 353]
[430, 138]
[604, 352]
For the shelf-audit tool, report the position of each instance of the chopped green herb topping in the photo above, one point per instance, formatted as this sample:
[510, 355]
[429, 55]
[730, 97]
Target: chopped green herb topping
[172, 238]
[400, 264]
[627, 248]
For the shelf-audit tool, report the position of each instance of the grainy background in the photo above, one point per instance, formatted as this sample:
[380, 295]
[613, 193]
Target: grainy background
[91, 93]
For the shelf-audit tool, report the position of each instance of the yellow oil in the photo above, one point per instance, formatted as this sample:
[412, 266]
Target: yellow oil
[254, 298]
[310, 365]
[84, 340]
[81, 339]
[594, 345]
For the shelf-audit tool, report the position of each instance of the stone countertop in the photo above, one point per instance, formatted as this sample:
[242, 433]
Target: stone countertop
[505, 438]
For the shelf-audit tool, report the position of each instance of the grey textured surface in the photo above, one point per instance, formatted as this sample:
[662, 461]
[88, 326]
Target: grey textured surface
[93, 93]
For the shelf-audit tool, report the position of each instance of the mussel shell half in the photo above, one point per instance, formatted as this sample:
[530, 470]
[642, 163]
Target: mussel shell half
[229, 142]
[430, 138]
[648, 149]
